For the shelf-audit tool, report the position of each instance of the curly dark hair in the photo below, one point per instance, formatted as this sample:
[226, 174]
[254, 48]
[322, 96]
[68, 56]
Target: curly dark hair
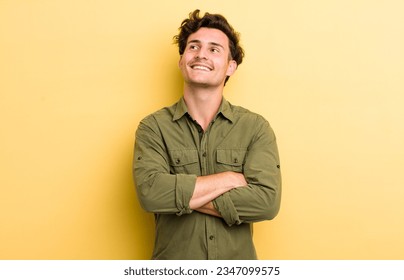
[217, 21]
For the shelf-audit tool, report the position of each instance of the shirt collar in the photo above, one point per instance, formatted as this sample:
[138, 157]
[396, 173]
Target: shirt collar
[225, 110]
[180, 110]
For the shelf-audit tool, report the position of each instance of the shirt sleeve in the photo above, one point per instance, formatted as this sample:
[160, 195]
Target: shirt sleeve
[158, 191]
[260, 200]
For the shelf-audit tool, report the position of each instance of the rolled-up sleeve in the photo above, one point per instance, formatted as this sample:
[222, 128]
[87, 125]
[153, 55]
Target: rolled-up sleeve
[227, 210]
[158, 191]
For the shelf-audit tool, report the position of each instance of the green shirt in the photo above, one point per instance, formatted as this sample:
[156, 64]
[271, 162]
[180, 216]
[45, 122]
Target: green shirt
[171, 150]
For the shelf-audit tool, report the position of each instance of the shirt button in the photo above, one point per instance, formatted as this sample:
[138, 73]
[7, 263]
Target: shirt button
[211, 237]
[177, 161]
[204, 154]
[235, 160]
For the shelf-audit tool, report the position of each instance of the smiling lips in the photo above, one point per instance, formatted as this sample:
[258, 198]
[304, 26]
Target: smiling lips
[201, 67]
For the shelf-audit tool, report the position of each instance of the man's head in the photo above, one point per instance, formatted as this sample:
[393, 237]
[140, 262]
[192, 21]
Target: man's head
[213, 21]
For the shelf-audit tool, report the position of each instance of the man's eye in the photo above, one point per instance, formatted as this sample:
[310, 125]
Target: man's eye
[193, 47]
[215, 50]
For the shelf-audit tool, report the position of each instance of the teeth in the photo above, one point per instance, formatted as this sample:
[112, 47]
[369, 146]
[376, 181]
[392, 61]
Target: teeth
[201, 68]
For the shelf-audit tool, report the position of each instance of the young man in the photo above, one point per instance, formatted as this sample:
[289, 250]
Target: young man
[206, 168]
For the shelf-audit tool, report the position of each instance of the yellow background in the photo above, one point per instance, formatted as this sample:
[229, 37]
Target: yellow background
[76, 77]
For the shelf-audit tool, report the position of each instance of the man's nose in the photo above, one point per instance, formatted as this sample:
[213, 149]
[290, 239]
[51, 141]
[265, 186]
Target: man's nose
[202, 53]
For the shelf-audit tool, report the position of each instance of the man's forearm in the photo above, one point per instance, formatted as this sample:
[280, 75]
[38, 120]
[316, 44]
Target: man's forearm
[209, 209]
[209, 187]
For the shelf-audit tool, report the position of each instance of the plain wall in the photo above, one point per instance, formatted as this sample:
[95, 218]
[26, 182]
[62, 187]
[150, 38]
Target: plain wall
[76, 77]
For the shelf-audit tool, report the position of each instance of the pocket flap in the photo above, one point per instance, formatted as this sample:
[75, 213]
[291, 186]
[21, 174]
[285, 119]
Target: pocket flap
[231, 156]
[183, 157]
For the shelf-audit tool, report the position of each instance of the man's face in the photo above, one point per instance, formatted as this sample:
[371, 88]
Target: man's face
[205, 61]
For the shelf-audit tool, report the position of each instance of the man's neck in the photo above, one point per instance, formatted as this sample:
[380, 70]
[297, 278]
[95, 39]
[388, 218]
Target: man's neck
[203, 104]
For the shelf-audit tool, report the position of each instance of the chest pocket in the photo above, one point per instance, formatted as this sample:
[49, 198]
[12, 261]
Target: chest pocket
[184, 162]
[230, 160]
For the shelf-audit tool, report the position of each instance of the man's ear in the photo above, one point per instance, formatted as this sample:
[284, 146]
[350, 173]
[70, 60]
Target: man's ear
[231, 68]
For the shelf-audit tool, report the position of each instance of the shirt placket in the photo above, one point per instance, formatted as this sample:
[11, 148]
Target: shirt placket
[211, 234]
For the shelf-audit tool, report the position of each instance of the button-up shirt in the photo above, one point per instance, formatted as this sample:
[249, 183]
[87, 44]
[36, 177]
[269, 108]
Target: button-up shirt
[171, 150]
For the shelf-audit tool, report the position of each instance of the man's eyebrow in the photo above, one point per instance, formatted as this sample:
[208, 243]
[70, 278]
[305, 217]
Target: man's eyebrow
[210, 43]
[194, 41]
[216, 44]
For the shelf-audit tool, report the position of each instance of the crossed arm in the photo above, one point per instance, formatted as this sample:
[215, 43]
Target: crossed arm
[251, 196]
[209, 187]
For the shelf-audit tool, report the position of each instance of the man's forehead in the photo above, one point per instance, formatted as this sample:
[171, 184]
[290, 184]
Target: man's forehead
[210, 36]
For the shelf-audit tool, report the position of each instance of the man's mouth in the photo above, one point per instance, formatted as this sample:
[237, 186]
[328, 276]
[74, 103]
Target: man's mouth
[201, 67]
